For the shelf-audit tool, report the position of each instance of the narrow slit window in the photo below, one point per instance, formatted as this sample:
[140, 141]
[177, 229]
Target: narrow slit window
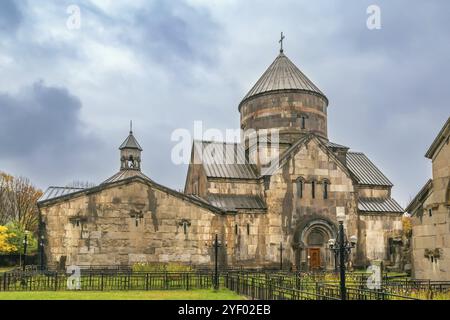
[236, 229]
[299, 188]
[313, 189]
[325, 189]
[303, 122]
[248, 229]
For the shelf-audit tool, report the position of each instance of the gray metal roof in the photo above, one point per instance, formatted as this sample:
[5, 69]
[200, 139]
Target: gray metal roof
[335, 145]
[130, 143]
[124, 174]
[55, 192]
[233, 202]
[421, 196]
[366, 172]
[379, 205]
[223, 160]
[282, 74]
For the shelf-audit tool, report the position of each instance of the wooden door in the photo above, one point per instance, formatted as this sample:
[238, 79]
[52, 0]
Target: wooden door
[314, 258]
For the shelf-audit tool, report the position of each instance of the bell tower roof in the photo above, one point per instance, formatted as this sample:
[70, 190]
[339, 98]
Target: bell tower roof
[130, 142]
[281, 75]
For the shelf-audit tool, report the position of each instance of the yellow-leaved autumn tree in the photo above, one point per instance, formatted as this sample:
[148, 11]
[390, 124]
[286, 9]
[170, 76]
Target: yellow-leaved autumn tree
[5, 246]
[18, 198]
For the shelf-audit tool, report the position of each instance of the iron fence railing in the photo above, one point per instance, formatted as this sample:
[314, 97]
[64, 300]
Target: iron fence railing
[353, 293]
[54, 281]
[255, 284]
[256, 288]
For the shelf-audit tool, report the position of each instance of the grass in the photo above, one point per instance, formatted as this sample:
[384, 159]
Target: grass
[222, 294]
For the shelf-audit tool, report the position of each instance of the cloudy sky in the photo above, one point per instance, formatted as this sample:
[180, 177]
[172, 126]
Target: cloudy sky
[67, 95]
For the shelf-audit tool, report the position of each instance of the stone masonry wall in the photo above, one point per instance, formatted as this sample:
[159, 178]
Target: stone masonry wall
[431, 225]
[287, 212]
[108, 233]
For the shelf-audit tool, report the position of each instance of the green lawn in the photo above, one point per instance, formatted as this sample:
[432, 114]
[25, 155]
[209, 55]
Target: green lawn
[222, 294]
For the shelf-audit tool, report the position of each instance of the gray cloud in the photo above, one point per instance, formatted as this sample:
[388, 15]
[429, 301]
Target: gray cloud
[41, 130]
[10, 16]
[165, 64]
[176, 31]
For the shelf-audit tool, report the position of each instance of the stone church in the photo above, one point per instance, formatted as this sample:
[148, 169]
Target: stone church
[260, 209]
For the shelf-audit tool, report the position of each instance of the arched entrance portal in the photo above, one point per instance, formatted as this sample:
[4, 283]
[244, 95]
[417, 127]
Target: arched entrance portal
[311, 245]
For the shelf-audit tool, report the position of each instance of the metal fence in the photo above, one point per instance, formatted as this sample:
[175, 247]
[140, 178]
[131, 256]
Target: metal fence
[91, 281]
[260, 289]
[354, 293]
[255, 284]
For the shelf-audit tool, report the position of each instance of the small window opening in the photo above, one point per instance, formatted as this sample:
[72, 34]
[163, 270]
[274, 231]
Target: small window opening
[299, 188]
[303, 122]
[325, 189]
[313, 189]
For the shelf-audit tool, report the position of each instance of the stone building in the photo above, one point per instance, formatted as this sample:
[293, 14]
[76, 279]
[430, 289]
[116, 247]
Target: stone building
[260, 208]
[430, 213]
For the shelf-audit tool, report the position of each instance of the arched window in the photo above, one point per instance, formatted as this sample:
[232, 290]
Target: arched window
[325, 189]
[300, 185]
[313, 189]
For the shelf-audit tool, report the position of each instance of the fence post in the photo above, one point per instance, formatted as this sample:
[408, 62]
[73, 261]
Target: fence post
[101, 283]
[56, 281]
[146, 281]
[4, 281]
[253, 288]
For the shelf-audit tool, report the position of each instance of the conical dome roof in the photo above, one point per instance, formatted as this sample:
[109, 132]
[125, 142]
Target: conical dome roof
[130, 143]
[282, 74]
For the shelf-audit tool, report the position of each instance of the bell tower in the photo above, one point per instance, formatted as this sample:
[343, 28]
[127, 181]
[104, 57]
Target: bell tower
[130, 153]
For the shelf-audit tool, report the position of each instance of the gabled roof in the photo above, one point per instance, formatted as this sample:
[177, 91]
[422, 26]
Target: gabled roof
[213, 156]
[229, 202]
[379, 205]
[335, 145]
[420, 197]
[282, 74]
[442, 136]
[54, 192]
[366, 172]
[130, 143]
[103, 186]
[296, 146]
[125, 174]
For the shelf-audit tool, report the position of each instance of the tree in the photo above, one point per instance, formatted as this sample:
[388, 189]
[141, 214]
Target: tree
[5, 237]
[407, 226]
[5, 188]
[18, 202]
[18, 235]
